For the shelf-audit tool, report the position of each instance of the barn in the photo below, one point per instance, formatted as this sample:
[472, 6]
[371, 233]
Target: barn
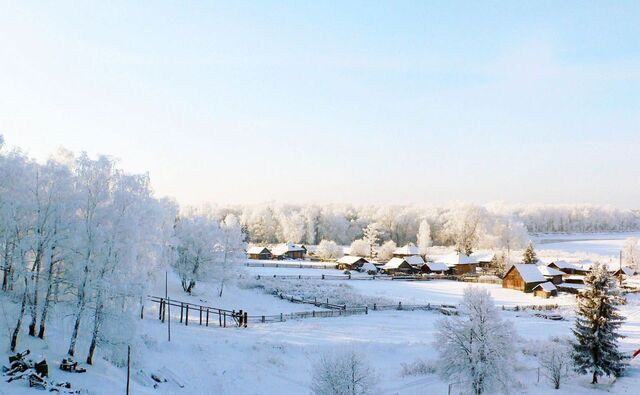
[259, 253]
[551, 274]
[406, 250]
[523, 277]
[484, 259]
[289, 251]
[570, 267]
[545, 290]
[349, 262]
[434, 267]
[460, 263]
[397, 265]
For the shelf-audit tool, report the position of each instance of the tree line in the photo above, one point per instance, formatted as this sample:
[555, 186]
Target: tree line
[81, 237]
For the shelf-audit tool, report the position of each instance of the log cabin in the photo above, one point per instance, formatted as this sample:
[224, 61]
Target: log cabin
[523, 277]
[257, 252]
[545, 290]
[349, 262]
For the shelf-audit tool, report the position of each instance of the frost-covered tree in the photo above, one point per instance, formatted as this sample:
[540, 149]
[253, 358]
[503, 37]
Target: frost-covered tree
[372, 237]
[385, 252]
[476, 348]
[197, 236]
[529, 255]
[631, 253]
[463, 226]
[360, 247]
[328, 249]
[424, 237]
[230, 250]
[343, 373]
[595, 350]
[556, 361]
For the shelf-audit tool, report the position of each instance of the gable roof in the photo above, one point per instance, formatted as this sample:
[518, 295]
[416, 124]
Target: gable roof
[257, 250]
[437, 266]
[282, 249]
[549, 271]
[350, 259]
[408, 249]
[547, 287]
[414, 260]
[368, 266]
[628, 270]
[458, 259]
[394, 263]
[529, 273]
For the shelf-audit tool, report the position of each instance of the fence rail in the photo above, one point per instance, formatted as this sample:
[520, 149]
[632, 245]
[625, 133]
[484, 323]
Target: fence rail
[293, 265]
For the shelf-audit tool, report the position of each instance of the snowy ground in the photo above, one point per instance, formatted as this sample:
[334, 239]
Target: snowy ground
[605, 244]
[278, 358]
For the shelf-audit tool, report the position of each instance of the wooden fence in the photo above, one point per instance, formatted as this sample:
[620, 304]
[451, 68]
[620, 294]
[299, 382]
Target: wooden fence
[200, 314]
[293, 265]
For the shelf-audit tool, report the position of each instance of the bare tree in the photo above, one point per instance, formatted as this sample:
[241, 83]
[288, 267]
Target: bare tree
[556, 362]
[344, 373]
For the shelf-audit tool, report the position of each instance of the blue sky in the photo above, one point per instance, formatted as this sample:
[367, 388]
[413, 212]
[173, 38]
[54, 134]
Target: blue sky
[361, 102]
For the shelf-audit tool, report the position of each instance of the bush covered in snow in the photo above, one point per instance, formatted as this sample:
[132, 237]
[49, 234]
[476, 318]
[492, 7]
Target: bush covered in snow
[343, 373]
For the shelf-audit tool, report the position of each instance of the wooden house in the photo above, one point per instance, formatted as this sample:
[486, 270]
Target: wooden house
[259, 253]
[289, 251]
[523, 277]
[349, 262]
[398, 266]
[460, 263]
[483, 259]
[406, 250]
[570, 267]
[545, 290]
[434, 268]
[624, 271]
[551, 274]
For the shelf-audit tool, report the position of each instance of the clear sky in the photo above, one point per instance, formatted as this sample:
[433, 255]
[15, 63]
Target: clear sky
[364, 102]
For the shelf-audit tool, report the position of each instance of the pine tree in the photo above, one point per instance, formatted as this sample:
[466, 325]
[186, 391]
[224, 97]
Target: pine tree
[597, 322]
[529, 255]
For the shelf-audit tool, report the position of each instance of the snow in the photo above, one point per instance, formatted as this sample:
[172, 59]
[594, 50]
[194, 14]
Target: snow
[394, 263]
[408, 249]
[350, 259]
[549, 271]
[457, 259]
[256, 250]
[529, 273]
[437, 266]
[282, 249]
[547, 287]
[414, 260]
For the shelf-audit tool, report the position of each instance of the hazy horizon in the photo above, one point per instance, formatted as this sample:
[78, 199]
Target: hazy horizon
[361, 103]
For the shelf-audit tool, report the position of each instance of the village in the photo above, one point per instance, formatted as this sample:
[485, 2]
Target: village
[540, 278]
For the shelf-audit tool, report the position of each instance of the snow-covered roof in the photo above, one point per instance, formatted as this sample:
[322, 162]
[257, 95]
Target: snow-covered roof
[483, 256]
[547, 287]
[549, 271]
[628, 271]
[256, 250]
[572, 285]
[529, 273]
[282, 249]
[368, 266]
[350, 259]
[574, 278]
[394, 263]
[409, 249]
[563, 264]
[583, 266]
[414, 260]
[458, 259]
[437, 266]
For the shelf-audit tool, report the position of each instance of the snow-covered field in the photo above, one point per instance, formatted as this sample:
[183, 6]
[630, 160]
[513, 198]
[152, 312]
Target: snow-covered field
[278, 358]
[605, 244]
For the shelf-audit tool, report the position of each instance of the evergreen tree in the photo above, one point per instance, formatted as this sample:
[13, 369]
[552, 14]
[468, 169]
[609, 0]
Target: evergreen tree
[597, 322]
[529, 255]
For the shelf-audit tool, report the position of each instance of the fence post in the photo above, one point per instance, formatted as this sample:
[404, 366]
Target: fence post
[281, 317]
[219, 318]
[142, 311]
[538, 374]
[207, 317]
[313, 313]
[224, 319]
[160, 309]
[246, 318]
[366, 309]
[200, 315]
[374, 307]
[186, 316]
[399, 305]
[349, 276]
[263, 319]
[181, 311]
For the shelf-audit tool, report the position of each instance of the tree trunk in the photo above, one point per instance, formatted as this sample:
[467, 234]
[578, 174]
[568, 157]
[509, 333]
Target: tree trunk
[34, 303]
[79, 311]
[23, 308]
[94, 336]
[595, 378]
[48, 297]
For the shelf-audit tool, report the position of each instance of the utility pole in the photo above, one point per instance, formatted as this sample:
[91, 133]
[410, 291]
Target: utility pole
[128, 368]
